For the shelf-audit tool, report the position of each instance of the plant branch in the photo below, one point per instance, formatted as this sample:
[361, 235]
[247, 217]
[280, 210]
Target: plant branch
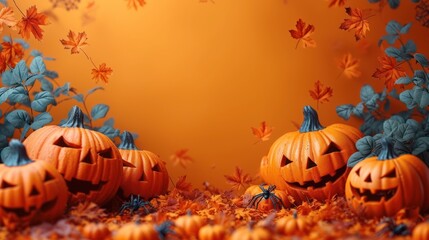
[16, 5]
[89, 58]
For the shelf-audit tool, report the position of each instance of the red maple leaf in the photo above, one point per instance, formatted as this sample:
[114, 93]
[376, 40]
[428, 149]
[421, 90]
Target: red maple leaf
[263, 133]
[239, 180]
[303, 33]
[181, 157]
[75, 41]
[101, 73]
[12, 53]
[389, 70]
[31, 22]
[357, 22]
[320, 93]
[338, 3]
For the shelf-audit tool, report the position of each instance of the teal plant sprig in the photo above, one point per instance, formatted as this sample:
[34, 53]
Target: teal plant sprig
[393, 3]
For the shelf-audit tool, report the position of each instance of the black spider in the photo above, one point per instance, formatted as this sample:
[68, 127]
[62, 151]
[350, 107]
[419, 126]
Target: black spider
[135, 203]
[392, 228]
[267, 194]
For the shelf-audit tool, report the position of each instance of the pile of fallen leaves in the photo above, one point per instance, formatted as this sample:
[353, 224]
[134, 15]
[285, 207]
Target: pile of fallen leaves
[330, 220]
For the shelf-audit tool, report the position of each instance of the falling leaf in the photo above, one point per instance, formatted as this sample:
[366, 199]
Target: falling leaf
[338, 3]
[181, 157]
[12, 53]
[239, 180]
[75, 41]
[7, 18]
[350, 66]
[136, 3]
[101, 73]
[320, 93]
[182, 185]
[88, 14]
[67, 4]
[356, 22]
[389, 70]
[263, 133]
[31, 24]
[302, 33]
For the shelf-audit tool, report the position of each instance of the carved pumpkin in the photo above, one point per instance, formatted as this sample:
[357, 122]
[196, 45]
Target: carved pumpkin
[421, 231]
[30, 191]
[212, 232]
[88, 160]
[312, 162]
[265, 205]
[381, 186]
[144, 173]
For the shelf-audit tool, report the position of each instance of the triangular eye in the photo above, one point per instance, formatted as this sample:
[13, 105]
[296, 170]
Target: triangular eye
[107, 153]
[358, 172]
[88, 159]
[156, 168]
[285, 161]
[127, 164]
[332, 148]
[5, 185]
[34, 191]
[390, 174]
[310, 163]
[142, 177]
[368, 178]
[61, 142]
[48, 177]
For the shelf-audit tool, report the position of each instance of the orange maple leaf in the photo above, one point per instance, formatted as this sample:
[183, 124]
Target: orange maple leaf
[3, 64]
[302, 33]
[320, 93]
[181, 157]
[239, 180]
[350, 66]
[389, 70]
[101, 73]
[12, 53]
[136, 3]
[31, 24]
[7, 18]
[263, 132]
[338, 3]
[75, 41]
[357, 22]
[182, 185]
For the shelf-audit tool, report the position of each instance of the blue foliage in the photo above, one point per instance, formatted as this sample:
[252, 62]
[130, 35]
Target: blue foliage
[392, 3]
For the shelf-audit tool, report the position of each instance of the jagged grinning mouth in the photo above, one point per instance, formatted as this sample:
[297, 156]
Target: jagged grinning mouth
[367, 196]
[83, 186]
[322, 183]
[21, 212]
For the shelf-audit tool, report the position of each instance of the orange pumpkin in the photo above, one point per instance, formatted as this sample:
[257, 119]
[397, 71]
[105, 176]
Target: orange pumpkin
[188, 225]
[30, 191]
[212, 232]
[251, 233]
[264, 202]
[144, 173]
[293, 225]
[381, 186]
[421, 231]
[312, 162]
[95, 231]
[88, 160]
[136, 231]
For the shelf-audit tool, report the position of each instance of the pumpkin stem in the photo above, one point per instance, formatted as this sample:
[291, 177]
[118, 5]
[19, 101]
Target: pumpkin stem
[127, 141]
[75, 118]
[387, 151]
[17, 155]
[294, 213]
[311, 121]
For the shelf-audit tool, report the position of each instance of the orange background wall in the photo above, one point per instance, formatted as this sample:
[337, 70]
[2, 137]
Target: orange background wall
[198, 75]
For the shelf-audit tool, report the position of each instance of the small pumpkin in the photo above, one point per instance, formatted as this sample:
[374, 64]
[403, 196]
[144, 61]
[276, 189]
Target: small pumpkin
[293, 225]
[312, 162]
[381, 186]
[95, 231]
[421, 231]
[88, 160]
[144, 173]
[136, 231]
[251, 233]
[265, 199]
[212, 232]
[30, 191]
[187, 226]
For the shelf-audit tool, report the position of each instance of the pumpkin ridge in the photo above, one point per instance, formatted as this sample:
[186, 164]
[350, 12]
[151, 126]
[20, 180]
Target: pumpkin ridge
[311, 121]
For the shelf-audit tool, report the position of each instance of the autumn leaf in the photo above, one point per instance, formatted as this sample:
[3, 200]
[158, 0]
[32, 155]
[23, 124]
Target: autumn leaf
[31, 24]
[239, 180]
[7, 18]
[88, 14]
[338, 3]
[389, 70]
[263, 133]
[181, 157]
[182, 185]
[350, 66]
[136, 3]
[320, 93]
[302, 33]
[12, 53]
[75, 41]
[101, 73]
[3, 64]
[356, 22]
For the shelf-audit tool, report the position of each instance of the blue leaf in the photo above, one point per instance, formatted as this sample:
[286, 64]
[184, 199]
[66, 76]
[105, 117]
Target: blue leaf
[109, 122]
[372, 104]
[24, 131]
[30, 81]
[42, 100]
[403, 80]
[91, 91]
[354, 159]
[421, 59]
[387, 105]
[366, 93]
[6, 38]
[405, 132]
[37, 53]
[78, 97]
[373, 1]
[20, 72]
[345, 111]
[99, 111]
[5, 153]
[64, 90]
[109, 131]
[365, 145]
[420, 145]
[408, 49]
[41, 120]
[358, 110]
[4, 2]
[391, 39]
[7, 78]
[394, 94]
[18, 118]
[46, 85]
[4, 94]
[407, 98]
[23, 43]
[419, 77]
[37, 66]
[393, 27]
[390, 126]
[394, 52]
[19, 95]
[7, 129]
[405, 28]
[51, 74]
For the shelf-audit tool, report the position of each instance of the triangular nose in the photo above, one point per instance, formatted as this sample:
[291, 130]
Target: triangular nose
[310, 163]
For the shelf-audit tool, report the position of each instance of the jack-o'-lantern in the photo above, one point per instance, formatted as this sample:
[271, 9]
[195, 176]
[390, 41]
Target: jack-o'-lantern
[30, 191]
[88, 160]
[312, 162]
[144, 173]
[381, 186]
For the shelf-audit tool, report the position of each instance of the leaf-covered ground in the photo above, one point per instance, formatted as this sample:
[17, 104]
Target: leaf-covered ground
[330, 220]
